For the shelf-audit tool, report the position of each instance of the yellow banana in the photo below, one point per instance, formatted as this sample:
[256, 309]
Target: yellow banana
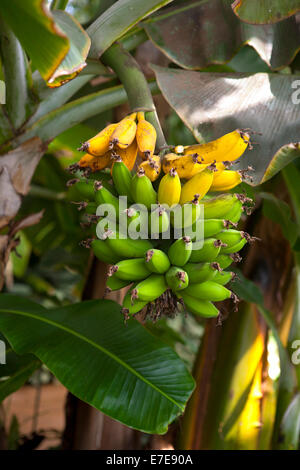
[128, 155]
[124, 133]
[169, 189]
[145, 136]
[99, 144]
[185, 165]
[225, 180]
[152, 167]
[198, 184]
[95, 163]
[229, 147]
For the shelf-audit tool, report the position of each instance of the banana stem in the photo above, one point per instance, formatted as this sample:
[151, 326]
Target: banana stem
[135, 84]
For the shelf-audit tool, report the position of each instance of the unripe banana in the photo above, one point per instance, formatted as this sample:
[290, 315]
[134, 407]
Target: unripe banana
[133, 306]
[224, 261]
[152, 167]
[218, 207]
[230, 238]
[157, 261]
[114, 283]
[200, 272]
[128, 155]
[208, 290]
[126, 247]
[223, 277]
[131, 269]
[234, 248]
[150, 289]
[169, 189]
[142, 190]
[186, 215]
[145, 136]
[158, 221]
[209, 251]
[103, 252]
[177, 278]
[99, 144]
[104, 196]
[213, 226]
[235, 213]
[226, 180]
[122, 178]
[124, 133]
[90, 208]
[95, 163]
[229, 147]
[199, 307]
[180, 251]
[185, 165]
[81, 190]
[198, 184]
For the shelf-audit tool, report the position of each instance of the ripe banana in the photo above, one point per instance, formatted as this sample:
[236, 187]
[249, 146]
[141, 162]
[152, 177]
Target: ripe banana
[95, 163]
[208, 290]
[198, 184]
[209, 251]
[157, 261]
[226, 180]
[169, 189]
[99, 144]
[199, 307]
[177, 278]
[104, 196]
[124, 133]
[128, 155]
[126, 247]
[150, 289]
[114, 283]
[180, 251]
[185, 165]
[103, 252]
[145, 136]
[152, 167]
[229, 147]
[200, 272]
[132, 306]
[224, 261]
[158, 221]
[131, 269]
[218, 207]
[223, 277]
[142, 190]
[122, 178]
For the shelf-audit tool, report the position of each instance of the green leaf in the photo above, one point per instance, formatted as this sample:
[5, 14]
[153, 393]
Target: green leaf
[203, 33]
[121, 370]
[290, 426]
[16, 371]
[264, 11]
[34, 26]
[212, 104]
[117, 20]
[80, 43]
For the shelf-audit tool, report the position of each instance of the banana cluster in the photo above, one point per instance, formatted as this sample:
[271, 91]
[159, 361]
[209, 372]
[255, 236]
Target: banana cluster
[162, 273]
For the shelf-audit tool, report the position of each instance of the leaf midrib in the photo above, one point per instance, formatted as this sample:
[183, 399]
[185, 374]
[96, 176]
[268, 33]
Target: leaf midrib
[97, 346]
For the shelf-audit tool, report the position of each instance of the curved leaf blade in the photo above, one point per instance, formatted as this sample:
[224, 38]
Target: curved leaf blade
[264, 11]
[290, 426]
[212, 104]
[121, 370]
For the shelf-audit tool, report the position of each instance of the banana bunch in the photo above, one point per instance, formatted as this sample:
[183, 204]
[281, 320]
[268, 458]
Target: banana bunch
[161, 271]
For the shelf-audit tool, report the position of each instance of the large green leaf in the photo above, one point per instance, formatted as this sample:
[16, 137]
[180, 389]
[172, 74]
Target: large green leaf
[117, 20]
[34, 26]
[265, 11]
[207, 32]
[122, 370]
[212, 104]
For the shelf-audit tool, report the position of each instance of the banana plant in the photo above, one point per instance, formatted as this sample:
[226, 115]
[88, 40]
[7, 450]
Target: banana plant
[60, 89]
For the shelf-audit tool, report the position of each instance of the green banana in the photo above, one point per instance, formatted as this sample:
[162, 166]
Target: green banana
[149, 289]
[223, 277]
[199, 307]
[103, 252]
[200, 272]
[104, 196]
[114, 283]
[132, 306]
[235, 212]
[209, 251]
[217, 207]
[158, 221]
[180, 251]
[234, 248]
[224, 261]
[177, 278]
[131, 269]
[211, 227]
[208, 290]
[157, 261]
[126, 247]
[122, 178]
[142, 190]
[186, 216]
[90, 208]
[234, 240]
